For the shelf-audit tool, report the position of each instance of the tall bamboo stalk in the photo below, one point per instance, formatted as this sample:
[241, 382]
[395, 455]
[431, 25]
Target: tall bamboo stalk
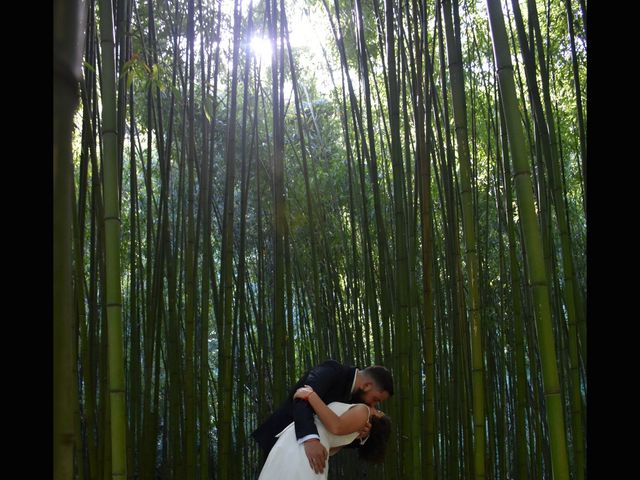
[538, 276]
[279, 320]
[205, 202]
[422, 97]
[190, 259]
[469, 229]
[112, 246]
[225, 360]
[518, 332]
[577, 90]
[68, 41]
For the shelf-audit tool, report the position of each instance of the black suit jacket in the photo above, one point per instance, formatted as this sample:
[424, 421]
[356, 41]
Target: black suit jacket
[332, 382]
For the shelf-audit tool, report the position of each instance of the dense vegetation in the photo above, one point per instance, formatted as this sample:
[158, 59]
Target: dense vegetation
[404, 187]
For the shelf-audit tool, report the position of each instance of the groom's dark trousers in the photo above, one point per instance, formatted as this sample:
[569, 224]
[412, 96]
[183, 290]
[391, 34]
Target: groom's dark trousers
[331, 380]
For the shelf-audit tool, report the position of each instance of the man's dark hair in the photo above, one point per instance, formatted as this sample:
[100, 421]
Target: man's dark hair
[376, 445]
[381, 376]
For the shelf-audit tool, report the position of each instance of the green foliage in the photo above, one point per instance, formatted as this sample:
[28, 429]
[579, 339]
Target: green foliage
[351, 281]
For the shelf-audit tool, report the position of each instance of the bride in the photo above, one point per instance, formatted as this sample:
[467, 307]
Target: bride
[338, 425]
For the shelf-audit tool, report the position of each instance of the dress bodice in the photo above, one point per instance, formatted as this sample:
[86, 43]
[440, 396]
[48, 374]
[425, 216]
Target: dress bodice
[287, 459]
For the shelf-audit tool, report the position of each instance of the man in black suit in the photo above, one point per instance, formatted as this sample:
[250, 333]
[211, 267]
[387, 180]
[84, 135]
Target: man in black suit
[333, 382]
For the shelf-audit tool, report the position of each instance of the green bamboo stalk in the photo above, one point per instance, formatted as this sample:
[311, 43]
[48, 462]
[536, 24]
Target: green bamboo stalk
[96, 315]
[86, 339]
[242, 299]
[537, 173]
[578, 91]
[121, 22]
[469, 229]
[492, 405]
[518, 332]
[452, 451]
[243, 319]
[423, 103]
[112, 246]
[440, 406]
[173, 367]
[153, 280]
[135, 374]
[68, 41]
[581, 327]
[105, 412]
[410, 200]
[555, 417]
[190, 259]
[173, 327]
[370, 153]
[401, 321]
[462, 362]
[360, 312]
[147, 457]
[205, 203]
[547, 133]
[370, 284]
[279, 319]
[260, 317]
[290, 334]
[225, 350]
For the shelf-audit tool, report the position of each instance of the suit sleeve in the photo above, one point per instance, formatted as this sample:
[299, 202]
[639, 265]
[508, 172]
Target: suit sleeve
[321, 379]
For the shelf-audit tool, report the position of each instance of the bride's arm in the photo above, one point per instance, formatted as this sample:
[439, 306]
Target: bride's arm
[350, 421]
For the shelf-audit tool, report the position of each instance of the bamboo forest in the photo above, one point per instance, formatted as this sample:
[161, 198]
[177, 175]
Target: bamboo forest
[244, 189]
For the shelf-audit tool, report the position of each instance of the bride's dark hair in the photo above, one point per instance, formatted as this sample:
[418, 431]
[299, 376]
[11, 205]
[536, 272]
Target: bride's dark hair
[376, 446]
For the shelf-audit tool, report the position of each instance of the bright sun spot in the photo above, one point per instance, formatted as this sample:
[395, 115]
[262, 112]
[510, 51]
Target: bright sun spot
[261, 48]
[309, 31]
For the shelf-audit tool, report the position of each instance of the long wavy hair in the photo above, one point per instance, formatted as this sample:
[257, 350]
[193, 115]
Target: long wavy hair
[375, 447]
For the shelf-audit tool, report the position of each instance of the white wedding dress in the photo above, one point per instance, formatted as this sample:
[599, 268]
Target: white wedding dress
[287, 459]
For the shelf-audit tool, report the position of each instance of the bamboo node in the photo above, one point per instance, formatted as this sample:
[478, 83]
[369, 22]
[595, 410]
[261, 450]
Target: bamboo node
[505, 67]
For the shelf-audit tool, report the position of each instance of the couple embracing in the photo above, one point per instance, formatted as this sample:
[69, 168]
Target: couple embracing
[332, 406]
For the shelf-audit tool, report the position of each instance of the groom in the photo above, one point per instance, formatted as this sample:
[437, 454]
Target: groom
[333, 382]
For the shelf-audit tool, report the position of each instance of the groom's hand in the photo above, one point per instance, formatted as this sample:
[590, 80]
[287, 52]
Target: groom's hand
[316, 454]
